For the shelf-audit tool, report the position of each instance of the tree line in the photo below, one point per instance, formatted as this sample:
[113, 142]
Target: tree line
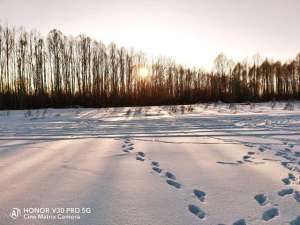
[66, 71]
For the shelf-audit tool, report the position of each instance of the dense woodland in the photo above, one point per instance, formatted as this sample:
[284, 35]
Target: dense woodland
[64, 71]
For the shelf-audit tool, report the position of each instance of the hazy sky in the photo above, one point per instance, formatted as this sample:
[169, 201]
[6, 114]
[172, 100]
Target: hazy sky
[191, 31]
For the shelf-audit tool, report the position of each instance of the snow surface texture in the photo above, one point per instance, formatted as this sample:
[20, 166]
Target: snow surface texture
[215, 164]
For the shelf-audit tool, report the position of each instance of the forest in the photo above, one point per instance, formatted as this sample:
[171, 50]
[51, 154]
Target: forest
[64, 71]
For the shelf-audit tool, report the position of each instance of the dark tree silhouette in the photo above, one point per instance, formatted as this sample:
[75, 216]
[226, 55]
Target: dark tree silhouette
[60, 71]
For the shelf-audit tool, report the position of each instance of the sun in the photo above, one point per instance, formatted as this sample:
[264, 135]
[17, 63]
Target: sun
[143, 72]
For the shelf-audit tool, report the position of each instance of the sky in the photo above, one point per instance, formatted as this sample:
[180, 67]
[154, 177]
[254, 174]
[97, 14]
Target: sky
[193, 32]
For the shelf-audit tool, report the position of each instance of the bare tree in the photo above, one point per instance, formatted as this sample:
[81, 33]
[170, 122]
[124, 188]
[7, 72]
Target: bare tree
[62, 71]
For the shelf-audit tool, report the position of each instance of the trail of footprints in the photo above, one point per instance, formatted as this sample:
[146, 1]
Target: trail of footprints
[268, 214]
[127, 146]
[290, 163]
[170, 179]
[248, 158]
[261, 199]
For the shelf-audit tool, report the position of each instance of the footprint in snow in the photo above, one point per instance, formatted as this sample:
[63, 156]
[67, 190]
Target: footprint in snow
[261, 148]
[286, 181]
[297, 196]
[140, 158]
[292, 176]
[154, 163]
[127, 149]
[170, 175]
[240, 222]
[247, 158]
[285, 192]
[270, 214]
[249, 145]
[141, 154]
[199, 194]
[174, 183]
[261, 199]
[156, 169]
[197, 211]
[295, 221]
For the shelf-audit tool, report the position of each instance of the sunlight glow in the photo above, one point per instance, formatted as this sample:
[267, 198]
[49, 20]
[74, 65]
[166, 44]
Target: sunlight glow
[143, 72]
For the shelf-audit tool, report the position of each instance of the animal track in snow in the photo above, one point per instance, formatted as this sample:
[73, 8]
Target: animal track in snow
[285, 192]
[173, 183]
[261, 199]
[199, 194]
[270, 214]
[197, 211]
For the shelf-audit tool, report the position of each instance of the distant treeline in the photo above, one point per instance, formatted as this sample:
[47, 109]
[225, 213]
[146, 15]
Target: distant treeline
[61, 71]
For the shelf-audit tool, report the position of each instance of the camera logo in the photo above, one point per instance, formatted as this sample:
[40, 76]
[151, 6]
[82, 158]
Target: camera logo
[15, 213]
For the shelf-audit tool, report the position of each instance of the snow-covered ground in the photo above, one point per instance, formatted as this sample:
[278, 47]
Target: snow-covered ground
[206, 164]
